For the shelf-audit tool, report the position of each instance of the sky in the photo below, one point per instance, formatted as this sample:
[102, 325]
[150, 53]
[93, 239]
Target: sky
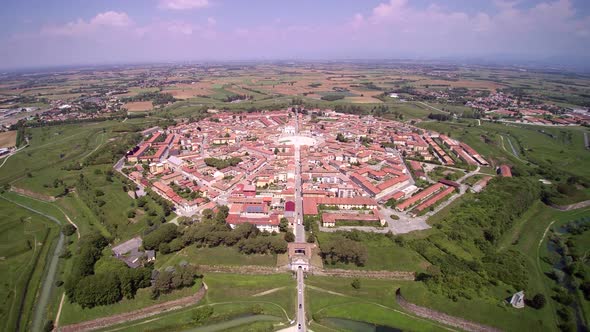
[40, 33]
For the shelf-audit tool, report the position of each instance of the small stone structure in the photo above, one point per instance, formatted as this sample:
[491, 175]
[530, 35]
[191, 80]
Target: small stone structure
[300, 255]
[517, 300]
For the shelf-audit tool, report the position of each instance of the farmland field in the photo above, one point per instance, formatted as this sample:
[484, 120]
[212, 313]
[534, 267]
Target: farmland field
[139, 106]
[7, 139]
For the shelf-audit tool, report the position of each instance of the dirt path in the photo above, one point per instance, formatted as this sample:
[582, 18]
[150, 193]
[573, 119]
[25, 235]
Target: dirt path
[574, 206]
[270, 291]
[32, 194]
[12, 154]
[325, 291]
[432, 107]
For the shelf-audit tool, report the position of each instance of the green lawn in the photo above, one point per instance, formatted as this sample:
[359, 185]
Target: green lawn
[383, 254]
[73, 313]
[374, 303]
[231, 296]
[25, 241]
[215, 256]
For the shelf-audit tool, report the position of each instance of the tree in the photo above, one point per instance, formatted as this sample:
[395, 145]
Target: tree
[68, 229]
[48, 327]
[356, 283]
[538, 301]
[164, 233]
[289, 237]
[201, 315]
[283, 224]
[222, 213]
[246, 230]
[100, 289]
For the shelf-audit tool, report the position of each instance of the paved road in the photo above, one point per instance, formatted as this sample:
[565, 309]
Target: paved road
[586, 143]
[299, 234]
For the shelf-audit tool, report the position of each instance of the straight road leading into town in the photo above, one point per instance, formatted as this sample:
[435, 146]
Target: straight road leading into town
[299, 233]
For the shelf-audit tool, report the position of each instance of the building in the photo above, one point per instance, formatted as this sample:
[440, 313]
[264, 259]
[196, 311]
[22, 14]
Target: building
[505, 171]
[517, 300]
[128, 252]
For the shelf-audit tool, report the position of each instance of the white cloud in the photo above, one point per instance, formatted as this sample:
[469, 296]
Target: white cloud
[548, 26]
[357, 21]
[107, 19]
[112, 18]
[183, 4]
[180, 28]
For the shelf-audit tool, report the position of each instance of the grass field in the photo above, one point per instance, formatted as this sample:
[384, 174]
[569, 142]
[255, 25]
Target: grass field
[8, 139]
[215, 256]
[559, 148]
[383, 254]
[25, 241]
[73, 313]
[374, 303]
[230, 296]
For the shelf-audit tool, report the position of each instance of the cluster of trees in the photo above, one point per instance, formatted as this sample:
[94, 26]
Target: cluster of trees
[371, 86]
[157, 98]
[111, 152]
[175, 278]
[556, 193]
[571, 272]
[68, 229]
[235, 97]
[87, 192]
[440, 117]
[160, 236]
[349, 109]
[341, 138]
[222, 163]
[246, 237]
[340, 249]
[332, 97]
[479, 222]
[213, 231]
[166, 205]
[88, 289]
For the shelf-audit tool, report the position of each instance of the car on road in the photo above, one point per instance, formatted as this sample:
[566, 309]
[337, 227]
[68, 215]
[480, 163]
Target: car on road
[299, 326]
[299, 305]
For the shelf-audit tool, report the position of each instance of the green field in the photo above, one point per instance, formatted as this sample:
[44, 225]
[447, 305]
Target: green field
[215, 256]
[230, 296]
[374, 302]
[563, 151]
[25, 242]
[383, 254]
[526, 236]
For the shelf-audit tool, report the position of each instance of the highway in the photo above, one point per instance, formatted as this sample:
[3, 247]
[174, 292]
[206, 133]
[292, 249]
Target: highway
[299, 233]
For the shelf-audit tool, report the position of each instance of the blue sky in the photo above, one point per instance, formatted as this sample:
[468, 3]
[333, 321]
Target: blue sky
[59, 32]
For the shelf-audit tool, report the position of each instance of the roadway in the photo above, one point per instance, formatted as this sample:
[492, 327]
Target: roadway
[299, 233]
